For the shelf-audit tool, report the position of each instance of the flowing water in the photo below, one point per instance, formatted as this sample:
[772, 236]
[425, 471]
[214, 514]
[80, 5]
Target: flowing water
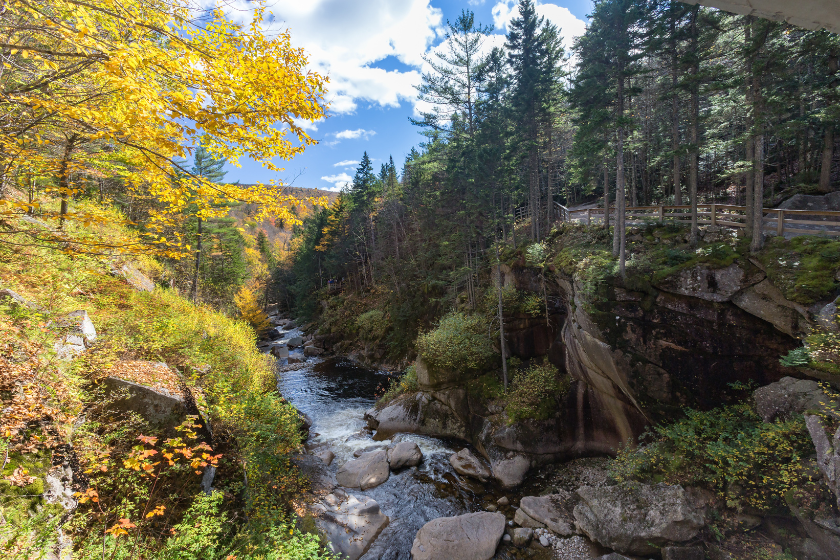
[335, 393]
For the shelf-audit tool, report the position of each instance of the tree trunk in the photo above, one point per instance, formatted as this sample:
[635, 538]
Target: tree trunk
[694, 156]
[827, 157]
[750, 144]
[620, 188]
[194, 290]
[606, 197]
[64, 179]
[502, 323]
[675, 116]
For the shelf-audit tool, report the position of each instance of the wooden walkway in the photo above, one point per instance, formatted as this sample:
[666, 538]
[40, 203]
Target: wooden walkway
[781, 222]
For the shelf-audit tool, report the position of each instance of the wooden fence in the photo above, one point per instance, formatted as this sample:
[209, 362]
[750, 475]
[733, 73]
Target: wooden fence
[776, 220]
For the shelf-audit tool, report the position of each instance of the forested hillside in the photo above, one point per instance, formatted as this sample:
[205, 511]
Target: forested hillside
[659, 102]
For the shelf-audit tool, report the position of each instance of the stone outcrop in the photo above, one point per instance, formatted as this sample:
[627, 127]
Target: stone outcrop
[133, 276]
[711, 284]
[637, 519]
[351, 523]
[404, 454]
[368, 471]
[473, 536]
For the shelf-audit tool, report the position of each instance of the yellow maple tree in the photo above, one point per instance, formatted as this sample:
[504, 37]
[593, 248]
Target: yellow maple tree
[124, 88]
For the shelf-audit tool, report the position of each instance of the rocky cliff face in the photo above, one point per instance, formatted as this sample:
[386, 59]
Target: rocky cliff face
[636, 354]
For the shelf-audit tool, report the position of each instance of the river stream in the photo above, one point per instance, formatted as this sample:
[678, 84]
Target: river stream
[335, 393]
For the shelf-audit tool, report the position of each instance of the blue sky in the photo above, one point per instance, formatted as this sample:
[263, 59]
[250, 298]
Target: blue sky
[372, 50]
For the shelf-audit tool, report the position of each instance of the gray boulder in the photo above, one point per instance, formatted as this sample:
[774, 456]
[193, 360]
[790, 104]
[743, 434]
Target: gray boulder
[787, 397]
[637, 519]
[295, 341]
[552, 511]
[368, 471]
[473, 536]
[417, 413]
[351, 523]
[467, 464]
[134, 277]
[404, 454]
[828, 317]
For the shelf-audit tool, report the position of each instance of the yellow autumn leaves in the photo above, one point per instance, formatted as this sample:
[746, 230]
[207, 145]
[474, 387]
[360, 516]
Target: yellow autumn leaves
[119, 90]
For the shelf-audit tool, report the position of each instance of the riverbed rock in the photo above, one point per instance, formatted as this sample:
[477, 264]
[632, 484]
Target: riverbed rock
[522, 536]
[473, 536]
[279, 351]
[321, 479]
[510, 470]
[828, 318]
[467, 464]
[766, 301]
[524, 520]
[553, 511]
[325, 454]
[404, 454]
[368, 471]
[295, 341]
[351, 523]
[788, 397]
[312, 351]
[637, 518]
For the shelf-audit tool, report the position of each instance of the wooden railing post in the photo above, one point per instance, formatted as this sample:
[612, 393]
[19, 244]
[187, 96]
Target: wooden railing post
[780, 223]
[589, 216]
[661, 214]
[714, 214]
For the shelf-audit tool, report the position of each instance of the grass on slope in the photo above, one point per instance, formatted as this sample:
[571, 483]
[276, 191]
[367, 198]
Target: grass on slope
[54, 410]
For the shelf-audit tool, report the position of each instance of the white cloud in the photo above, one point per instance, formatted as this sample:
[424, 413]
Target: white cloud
[343, 38]
[570, 26]
[339, 181]
[346, 163]
[307, 125]
[354, 134]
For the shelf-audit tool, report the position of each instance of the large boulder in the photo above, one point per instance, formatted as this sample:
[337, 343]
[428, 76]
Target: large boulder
[466, 463]
[788, 397]
[473, 536]
[279, 351]
[510, 469]
[368, 471]
[637, 519]
[404, 454]
[553, 511]
[295, 341]
[417, 413]
[162, 408]
[351, 523]
[766, 301]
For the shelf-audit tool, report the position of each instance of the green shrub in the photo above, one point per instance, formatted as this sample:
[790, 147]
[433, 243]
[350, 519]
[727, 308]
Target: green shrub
[406, 383]
[372, 325]
[796, 358]
[533, 392]
[459, 343]
[729, 450]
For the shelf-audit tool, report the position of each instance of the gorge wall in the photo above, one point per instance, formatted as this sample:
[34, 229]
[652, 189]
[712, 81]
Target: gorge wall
[635, 352]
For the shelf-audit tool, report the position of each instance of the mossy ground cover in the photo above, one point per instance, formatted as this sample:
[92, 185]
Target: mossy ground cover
[255, 429]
